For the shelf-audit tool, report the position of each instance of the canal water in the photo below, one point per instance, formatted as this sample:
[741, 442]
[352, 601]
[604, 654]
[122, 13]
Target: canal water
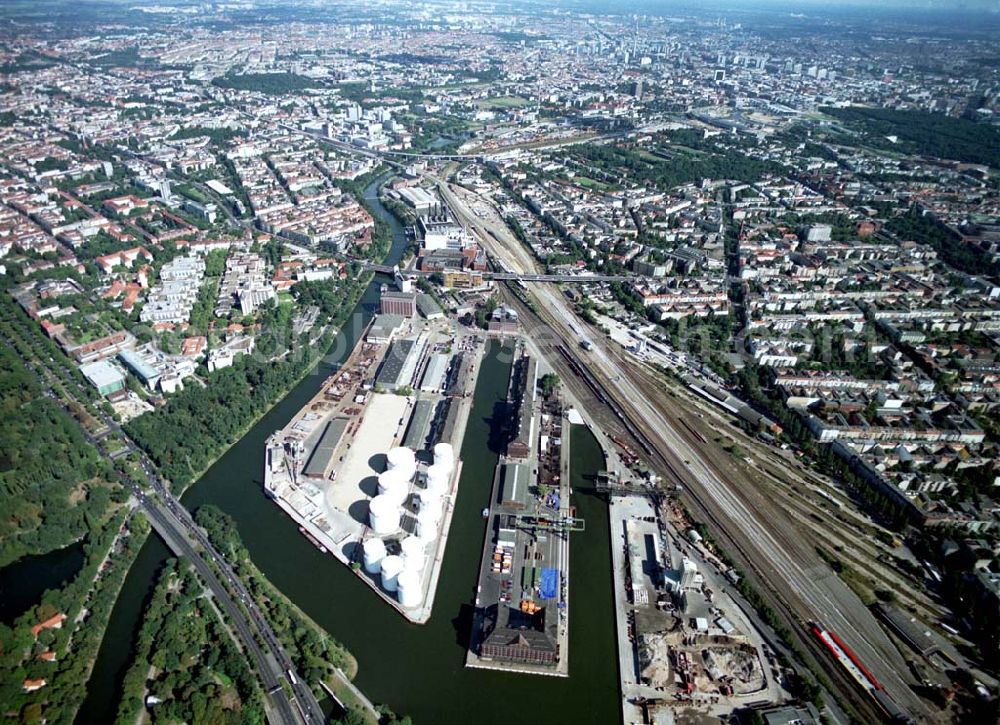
[415, 669]
[23, 582]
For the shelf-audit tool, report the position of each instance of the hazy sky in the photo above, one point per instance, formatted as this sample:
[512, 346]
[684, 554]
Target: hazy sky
[792, 5]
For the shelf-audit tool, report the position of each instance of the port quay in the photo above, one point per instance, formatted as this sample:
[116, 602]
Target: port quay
[367, 468]
[521, 618]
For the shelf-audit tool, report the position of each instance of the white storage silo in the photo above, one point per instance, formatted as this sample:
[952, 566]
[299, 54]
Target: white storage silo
[412, 551]
[383, 514]
[392, 565]
[437, 478]
[444, 455]
[428, 523]
[429, 498]
[408, 589]
[401, 457]
[387, 479]
[374, 552]
[394, 485]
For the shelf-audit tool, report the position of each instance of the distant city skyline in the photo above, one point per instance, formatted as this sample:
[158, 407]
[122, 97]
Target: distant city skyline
[796, 5]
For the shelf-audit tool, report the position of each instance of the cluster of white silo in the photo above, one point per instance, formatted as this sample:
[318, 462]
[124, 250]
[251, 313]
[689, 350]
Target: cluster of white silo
[402, 573]
[374, 553]
[384, 513]
[391, 567]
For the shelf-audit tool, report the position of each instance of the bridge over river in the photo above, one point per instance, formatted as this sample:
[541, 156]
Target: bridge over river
[510, 276]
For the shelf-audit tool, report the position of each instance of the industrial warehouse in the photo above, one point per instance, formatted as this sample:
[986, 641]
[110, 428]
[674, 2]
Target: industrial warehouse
[368, 468]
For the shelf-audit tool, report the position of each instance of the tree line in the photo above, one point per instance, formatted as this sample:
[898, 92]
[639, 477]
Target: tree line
[186, 659]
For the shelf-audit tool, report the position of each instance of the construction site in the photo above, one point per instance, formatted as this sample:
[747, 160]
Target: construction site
[368, 468]
[684, 642]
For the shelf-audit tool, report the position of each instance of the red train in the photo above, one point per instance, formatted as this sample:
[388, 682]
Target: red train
[856, 668]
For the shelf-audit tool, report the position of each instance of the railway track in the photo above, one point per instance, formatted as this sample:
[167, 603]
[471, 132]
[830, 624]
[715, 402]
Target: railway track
[803, 587]
[795, 613]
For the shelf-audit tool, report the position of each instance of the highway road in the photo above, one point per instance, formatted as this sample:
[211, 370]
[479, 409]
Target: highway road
[174, 523]
[762, 532]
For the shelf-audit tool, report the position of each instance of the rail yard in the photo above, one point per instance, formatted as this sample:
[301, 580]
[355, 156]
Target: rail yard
[636, 405]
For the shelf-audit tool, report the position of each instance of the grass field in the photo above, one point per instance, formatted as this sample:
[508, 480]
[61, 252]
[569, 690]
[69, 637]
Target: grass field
[504, 102]
[587, 183]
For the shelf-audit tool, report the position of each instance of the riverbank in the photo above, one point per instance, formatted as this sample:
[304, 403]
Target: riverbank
[331, 500]
[24, 580]
[333, 329]
[111, 662]
[103, 686]
[419, 670]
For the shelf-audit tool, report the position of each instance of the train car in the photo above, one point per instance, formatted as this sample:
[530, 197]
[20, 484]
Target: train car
[846, 658]
[931, 571]
[947, 627]
[827, 496]
[855, 667]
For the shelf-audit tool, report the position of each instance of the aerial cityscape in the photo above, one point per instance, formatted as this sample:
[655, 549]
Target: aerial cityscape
[574, 361]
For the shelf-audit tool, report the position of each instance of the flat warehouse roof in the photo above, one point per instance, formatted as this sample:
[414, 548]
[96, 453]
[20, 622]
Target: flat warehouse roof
[434, 374]
[515, 484]
[392, 366]
[384, 325]
[322, 454]
[416, 434]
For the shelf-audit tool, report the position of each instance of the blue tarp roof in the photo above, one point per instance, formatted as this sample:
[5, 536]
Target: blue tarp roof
[549, 588]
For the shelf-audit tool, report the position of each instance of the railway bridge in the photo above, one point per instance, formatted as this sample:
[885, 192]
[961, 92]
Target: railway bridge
[507, 276]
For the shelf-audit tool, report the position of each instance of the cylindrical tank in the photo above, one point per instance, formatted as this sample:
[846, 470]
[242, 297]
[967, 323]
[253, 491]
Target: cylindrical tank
[383, 514]
[437, 478]
[392, 565]
[374, 552]
[444, 455]
[428, 522]
[412, 551]
[394, 485]
[401, 457]
[430, 497]
[408, 589]
[388, 478]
